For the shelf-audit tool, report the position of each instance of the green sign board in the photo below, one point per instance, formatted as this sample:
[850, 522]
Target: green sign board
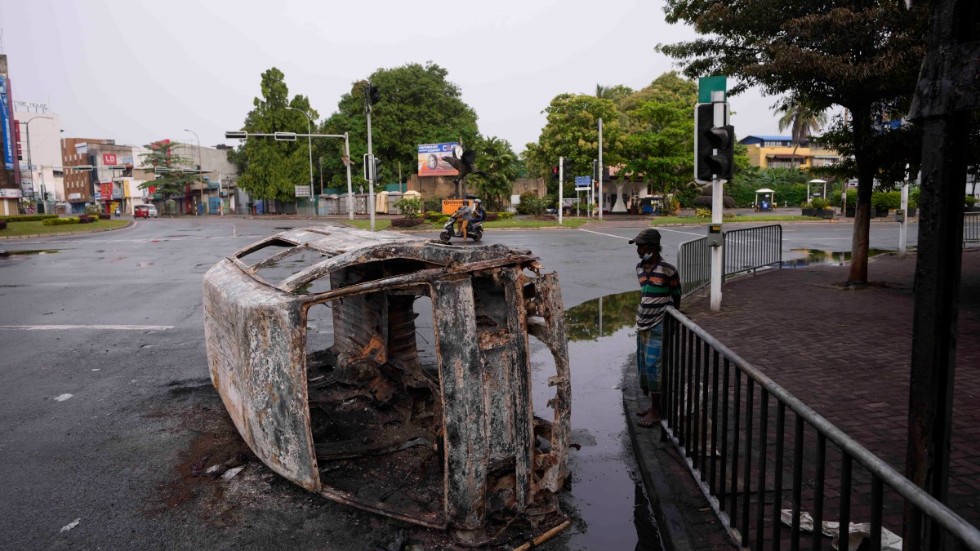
[706, 85]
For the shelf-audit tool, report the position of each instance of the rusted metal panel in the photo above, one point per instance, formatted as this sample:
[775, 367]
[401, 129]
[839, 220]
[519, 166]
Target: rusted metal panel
[365, 421]
[464, 405]
[251, 334]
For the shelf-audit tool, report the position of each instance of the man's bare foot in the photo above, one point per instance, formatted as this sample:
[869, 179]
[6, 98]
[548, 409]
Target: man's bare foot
[650, 419]
[642, 412]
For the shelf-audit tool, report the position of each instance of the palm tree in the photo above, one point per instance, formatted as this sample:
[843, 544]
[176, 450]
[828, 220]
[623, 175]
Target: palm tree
[802, 117]
[498, 169]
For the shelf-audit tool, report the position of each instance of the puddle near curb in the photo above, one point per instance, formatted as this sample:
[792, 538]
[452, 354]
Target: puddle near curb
[817, 257]
[604, 474]
[30, 252]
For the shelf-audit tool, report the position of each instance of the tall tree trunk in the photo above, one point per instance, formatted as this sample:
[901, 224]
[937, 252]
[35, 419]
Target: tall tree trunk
[866, 167]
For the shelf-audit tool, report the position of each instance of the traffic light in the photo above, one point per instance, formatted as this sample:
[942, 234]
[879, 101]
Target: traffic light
[554, 172]
[372, 167]
[566, 168]
[595, 170]
[714, 146]
[372, 94]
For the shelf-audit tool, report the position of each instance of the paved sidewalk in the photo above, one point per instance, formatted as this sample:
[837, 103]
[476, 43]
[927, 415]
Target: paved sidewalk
[846, 354]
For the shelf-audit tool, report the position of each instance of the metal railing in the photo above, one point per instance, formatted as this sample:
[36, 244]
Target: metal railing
[718, 411]
[745, 250]
[971, 227]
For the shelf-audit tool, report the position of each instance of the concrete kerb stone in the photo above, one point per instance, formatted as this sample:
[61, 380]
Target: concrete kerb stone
[687, 521]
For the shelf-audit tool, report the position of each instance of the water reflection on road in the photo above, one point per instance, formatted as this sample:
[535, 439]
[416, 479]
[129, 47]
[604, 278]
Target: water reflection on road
[605, 498]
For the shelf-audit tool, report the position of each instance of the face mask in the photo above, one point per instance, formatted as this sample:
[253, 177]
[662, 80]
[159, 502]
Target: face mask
[647, 256]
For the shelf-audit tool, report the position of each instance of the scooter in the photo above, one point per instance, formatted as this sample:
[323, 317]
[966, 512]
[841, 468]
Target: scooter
[474, 231]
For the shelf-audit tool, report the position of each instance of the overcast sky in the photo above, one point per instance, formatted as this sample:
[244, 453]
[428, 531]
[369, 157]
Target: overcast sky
[140, 70]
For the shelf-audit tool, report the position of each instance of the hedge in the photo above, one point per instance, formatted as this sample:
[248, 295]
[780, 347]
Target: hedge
[27, 217]
[61, 221]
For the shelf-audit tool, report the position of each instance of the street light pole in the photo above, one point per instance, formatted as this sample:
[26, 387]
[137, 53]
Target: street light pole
[350, 187]
[242, 135]
[309, 142]
[30, 164]
[200, 165]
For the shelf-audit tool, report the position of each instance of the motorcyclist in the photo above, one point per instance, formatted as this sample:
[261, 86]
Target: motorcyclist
[476, 215]
[462, 216]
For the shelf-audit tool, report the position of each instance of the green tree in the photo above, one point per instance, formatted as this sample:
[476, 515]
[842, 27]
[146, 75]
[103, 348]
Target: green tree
[416, 105]
[855, 54]
[163, 159]
[498, 167]
[660, 134]
[572, 131]
[271, 169]
[615, 94]
[802, 118]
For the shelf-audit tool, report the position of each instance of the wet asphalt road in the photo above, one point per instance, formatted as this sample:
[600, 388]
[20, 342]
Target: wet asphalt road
[107, 413]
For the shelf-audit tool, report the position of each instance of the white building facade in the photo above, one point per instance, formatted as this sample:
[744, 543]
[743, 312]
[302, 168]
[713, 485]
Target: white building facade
[40, 152]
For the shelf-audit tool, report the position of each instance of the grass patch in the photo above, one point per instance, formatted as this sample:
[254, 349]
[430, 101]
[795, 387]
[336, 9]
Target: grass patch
[20, 229]
[365, 224]
[693, 220]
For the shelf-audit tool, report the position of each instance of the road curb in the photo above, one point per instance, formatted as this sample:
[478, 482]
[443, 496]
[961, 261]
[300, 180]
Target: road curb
[686, 519]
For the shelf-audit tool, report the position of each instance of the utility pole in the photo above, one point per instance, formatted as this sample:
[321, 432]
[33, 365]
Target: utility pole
[370, 98]
[600, 170]
[200, 167]
[309, 146]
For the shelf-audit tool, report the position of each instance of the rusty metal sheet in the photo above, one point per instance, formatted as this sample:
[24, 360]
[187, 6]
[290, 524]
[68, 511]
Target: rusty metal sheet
[449, 442]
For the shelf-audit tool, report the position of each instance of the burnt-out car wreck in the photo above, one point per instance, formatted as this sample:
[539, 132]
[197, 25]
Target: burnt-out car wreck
[394, 374]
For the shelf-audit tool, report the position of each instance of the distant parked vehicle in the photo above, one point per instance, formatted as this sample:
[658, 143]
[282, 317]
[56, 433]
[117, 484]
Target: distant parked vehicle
[145, 211]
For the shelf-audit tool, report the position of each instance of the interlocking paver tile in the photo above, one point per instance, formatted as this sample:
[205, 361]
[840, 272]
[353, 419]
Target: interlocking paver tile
[846, 353]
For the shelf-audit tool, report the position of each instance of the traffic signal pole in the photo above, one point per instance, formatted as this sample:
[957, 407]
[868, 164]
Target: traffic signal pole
[717, 206]
[372, 170]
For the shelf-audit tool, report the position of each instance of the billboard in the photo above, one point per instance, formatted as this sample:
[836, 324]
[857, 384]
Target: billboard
[6, 130]
[109, 158]
[431, 161]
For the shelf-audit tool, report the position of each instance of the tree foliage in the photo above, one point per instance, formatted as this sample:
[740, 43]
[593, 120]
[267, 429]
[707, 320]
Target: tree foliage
[572, 132]
[856, 54]
[416, 105]
[170, 181]
[498, 167]
[271, 169]
[660, 134]
[802, 118]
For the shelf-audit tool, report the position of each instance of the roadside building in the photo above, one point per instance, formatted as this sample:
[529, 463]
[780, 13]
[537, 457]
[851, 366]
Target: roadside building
[97, 171]
[781, 152]
[10, 189]
[38, 156]
[216, 185]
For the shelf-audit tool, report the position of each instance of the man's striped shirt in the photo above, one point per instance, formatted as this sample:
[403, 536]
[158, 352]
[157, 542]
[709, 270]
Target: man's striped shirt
[661, 287]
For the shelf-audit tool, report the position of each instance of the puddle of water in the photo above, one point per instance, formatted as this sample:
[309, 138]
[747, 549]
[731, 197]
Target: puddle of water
[603, 472]
[601, 317]
[29, 252]
[815, 257]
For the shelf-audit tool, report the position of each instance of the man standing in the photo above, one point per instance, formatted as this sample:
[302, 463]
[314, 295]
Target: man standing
[660, 286]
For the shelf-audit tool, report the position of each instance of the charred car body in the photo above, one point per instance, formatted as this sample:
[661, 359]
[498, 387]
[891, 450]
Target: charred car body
[394, 374]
